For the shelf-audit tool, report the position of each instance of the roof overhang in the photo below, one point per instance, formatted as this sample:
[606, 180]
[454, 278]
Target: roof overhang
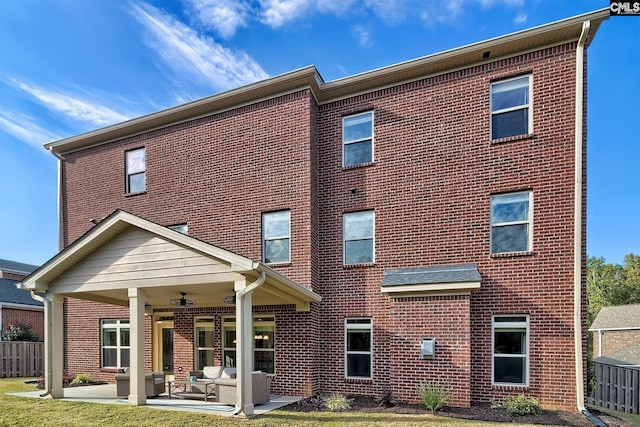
[308, 78]
[125, 251]
[428, 281]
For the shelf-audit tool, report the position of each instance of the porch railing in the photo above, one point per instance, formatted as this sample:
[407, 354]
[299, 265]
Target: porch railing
[617, 388]
[21, 359]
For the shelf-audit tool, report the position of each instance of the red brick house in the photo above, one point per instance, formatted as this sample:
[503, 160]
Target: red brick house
[16, 305]
[420, 222]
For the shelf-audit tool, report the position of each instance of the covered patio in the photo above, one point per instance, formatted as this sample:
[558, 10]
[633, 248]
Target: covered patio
[131, 262]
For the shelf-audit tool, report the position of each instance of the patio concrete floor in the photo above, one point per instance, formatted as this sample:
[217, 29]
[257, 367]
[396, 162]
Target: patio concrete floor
[106, 394]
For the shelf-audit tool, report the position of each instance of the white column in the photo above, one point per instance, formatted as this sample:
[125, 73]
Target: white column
[137, 394]
[55, 345]
[244, 350]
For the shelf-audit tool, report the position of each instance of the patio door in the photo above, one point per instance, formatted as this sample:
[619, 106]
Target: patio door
[163, 344]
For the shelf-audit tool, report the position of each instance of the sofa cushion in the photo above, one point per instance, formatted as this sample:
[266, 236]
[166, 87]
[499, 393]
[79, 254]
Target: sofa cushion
[211, 372]
[228, 373]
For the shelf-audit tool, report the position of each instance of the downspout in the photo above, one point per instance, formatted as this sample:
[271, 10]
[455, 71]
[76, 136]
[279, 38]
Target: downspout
[60, 160]
[240, 295]
[47, 360]
[577, 230]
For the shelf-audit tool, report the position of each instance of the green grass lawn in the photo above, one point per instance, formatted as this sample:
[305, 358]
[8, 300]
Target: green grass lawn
[22, 411]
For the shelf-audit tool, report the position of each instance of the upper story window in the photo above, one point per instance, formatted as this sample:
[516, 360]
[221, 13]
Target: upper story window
[510, 350]
[357, 139]
[511, 107]
[358, 234]
[511, 222]
[136, 170]
[276, 237]
[180, 228]
[358, 348]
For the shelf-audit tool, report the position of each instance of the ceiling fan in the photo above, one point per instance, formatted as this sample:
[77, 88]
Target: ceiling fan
[183, 301]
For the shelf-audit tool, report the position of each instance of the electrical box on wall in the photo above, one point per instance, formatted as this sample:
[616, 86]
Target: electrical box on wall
[428, 348]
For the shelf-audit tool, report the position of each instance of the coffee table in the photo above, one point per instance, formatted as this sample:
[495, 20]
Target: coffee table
[209, 389]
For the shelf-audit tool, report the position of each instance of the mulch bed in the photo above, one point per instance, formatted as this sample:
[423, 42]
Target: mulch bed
[483, 413]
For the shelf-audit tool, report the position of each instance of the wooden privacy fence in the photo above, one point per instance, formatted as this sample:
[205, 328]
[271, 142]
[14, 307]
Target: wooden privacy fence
[21, 359]
[617, 387]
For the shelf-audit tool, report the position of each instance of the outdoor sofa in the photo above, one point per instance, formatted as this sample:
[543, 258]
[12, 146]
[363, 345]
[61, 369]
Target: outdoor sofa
[154, 384]
[225, 383]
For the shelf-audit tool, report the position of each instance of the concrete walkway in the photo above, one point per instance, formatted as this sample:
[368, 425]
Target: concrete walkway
[106, 393]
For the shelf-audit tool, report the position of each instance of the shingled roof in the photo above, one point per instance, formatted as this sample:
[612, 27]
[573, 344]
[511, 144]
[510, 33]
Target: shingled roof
[10, 294]
[16, 267]
[618, 317]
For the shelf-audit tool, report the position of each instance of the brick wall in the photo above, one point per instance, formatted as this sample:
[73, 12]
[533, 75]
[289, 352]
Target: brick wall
[613, 341]
[33, 318]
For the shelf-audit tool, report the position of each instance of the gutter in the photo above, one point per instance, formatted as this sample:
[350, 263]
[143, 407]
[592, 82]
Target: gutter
[47, 355]
[240, 295]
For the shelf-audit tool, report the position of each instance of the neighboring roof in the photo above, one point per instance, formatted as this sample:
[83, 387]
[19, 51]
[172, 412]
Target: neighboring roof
[429, 279]
[9, 293]
[16, 267]
[618, 317]
[626, 356]
[478, 53]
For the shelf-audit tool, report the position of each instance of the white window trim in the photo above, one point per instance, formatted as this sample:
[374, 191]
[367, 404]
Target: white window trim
[202, 322]
[264, 239]
[118, 326]
[529, 221]
[348, 326]
[505, 325]
[345, 143]
[128, 175]
[372, 237]
[529, 105]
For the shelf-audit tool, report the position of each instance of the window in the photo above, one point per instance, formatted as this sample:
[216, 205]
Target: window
[180, 228]
[510, 350]
[276, 241]
[511, 107]
[263, 343]
[357, 231]
[358, 348]
[204, 342]
[357, 139]
[136, 165]
[511, 222]
[115, 343]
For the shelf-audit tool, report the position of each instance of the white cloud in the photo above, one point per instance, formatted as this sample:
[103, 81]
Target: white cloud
[222, 16]
[363, 35]
[192, 56]
[521, 18]
[276, 12]
[71, 105]
[23, 128]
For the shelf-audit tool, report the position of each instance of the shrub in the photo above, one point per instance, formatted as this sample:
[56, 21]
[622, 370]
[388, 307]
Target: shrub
[81, 379]
[312, 403]
[433, 395]
[520, 405]
[337, 402]
[385, 398]
[19, 332]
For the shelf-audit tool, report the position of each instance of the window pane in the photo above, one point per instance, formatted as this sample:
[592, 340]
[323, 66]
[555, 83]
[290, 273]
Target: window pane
[124, 358]
[358, 251]
[358, 340]
[510, 341]
[357, 153]
[276, 251]
[359, 365]
[205, 337]
[509, 238]
[124, 337]
[510, 123]
[264, 337]
[136, 161]
[263, 361]
[509, 370]
[109, 337]
[110, 357]
[357, 127]
[512, 93]
[229, 337]
[358, 225]
[205, 358]
[276, 224]
[137, 182]
[509, 208]
[229, 358]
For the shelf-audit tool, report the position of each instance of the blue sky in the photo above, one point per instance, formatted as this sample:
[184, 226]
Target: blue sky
[70, 67]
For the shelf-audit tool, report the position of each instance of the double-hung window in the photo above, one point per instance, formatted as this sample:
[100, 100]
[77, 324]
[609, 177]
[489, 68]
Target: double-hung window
[358, 237]
[115, 343]
[276, 237]
[358, 348]
[357, 139]
[204, 338]
[510, 350]
[511, 107]
[136, 170]
[263, 343]
[511, 222]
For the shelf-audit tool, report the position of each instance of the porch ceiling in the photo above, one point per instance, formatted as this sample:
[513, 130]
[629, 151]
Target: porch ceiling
[125, 251]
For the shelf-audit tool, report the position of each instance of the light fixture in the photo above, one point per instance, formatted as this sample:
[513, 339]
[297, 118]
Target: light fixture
[183, 301]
